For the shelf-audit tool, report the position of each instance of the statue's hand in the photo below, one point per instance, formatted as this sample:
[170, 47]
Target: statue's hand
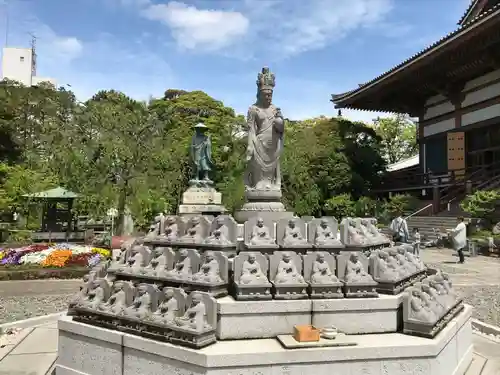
[249, 154]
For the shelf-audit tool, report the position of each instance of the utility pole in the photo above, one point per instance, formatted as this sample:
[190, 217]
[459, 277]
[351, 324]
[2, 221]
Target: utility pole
[33, 54]
[6, 3]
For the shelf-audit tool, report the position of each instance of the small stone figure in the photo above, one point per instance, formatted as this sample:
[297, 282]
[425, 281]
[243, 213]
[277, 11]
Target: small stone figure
[156, 266]
[141, 307]
[120, 260]
[194, 232]
[261, 234]
[209, 270]
[428, 295]
[117, 303]
[168, 310]
[251, 272]
[321, 272]
[355, 272]
[373, 232]
[82, 293]
[201, 156]
[382, 270]
[95, 296]
[287, 272]
[220, 235]
[195, 315]
[293, 236]
[182, 268]
[171, 230]
[418, 308]
[324, 235]
[355, 236]
[403, 261]
[393, 263]
[135, 260]
[415, 261]
[155, 228]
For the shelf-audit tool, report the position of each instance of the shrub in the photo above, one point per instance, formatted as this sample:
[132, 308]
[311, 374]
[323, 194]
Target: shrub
[482, 204]
[400, 204]
[340, 206]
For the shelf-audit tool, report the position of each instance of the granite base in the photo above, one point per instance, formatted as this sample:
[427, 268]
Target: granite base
[88, 350]
[244, 215]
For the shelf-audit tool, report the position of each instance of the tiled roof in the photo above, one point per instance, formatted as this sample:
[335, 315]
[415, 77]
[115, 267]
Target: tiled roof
[467, 11]
[435, 45]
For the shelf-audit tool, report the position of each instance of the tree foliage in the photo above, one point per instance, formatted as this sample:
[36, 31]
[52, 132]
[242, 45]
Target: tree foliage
[398, 137]
[482, 204]
[119, 152]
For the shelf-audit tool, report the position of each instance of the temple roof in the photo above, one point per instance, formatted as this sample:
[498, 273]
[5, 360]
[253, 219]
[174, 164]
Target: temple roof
[56, 193]
[450, 56]
[475, 8]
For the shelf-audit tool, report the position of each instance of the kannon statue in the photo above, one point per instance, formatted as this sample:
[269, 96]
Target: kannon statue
[265, 137]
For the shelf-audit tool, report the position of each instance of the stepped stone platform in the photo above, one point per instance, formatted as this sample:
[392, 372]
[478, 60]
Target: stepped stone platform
[89, 350]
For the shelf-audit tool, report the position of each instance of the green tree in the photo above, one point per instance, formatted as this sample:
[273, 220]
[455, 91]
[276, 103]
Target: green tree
[398, 137]
[482, 204]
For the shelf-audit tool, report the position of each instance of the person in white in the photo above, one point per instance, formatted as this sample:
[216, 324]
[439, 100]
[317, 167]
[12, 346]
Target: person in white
[416, 243]
[459, 239]
[399, 228]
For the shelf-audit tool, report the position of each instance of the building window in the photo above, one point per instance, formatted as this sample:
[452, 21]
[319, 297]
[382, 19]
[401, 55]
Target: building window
[21, 58]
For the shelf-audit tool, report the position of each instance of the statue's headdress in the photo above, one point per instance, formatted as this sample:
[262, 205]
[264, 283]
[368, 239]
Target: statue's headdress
[265, 80]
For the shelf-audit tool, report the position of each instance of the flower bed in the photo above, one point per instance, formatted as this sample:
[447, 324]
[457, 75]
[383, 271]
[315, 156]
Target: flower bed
[49, 261]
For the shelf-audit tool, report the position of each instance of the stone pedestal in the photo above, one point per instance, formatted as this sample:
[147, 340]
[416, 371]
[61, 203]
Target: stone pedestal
[89, 350]
[263, 203]
[201, 201]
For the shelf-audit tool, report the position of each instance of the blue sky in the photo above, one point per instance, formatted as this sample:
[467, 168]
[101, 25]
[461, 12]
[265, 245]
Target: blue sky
[143, 47]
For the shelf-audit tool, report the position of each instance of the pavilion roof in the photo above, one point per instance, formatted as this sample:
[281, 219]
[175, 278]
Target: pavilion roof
[475, 8]
[56, 193]
[417, 75]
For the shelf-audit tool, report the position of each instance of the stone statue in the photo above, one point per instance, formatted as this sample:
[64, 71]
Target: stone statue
[382, 271]
[168, 310]
[155, 228]
[324, 235]
[414, 260]
[355, 236]
[419, 310]
[404, 262]
[371, 232]
[117, 303]
[265, 137]
[287, 272]
[95, 296]
[82, 293]
[141, 307]
[158, 262]
[261, 234]
[195, 315]
[321, 272]
[201, 156]
[355, 271]
[171, 230]
[182, 268]
[209, 271]
[395, 265]
[220, 235]
[428, 295]
[293, 236]
[136, 260]
[194, 232]
[251, 272]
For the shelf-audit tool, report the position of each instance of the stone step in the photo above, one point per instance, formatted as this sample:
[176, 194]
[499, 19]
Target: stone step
[476, 366]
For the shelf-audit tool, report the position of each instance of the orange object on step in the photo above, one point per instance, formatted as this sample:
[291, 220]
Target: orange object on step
[306, 333]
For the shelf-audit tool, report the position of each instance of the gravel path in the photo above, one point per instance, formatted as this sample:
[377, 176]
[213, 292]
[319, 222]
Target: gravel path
[486, 302]
[24, 307]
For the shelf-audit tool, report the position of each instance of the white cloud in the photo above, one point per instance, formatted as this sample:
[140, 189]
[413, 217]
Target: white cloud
[205, 29]
[293, 27]
[275, 28]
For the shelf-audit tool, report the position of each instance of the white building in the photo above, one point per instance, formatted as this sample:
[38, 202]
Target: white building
[19, 64]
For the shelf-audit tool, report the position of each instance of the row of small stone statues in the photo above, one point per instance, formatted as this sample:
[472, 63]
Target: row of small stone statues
[252, 268]
[430, 300]
[147, 303]
[286, 233]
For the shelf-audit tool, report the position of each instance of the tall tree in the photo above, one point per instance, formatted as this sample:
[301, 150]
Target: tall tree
[398, 137]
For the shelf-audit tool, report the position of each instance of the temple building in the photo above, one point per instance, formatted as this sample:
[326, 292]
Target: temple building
[453, 88]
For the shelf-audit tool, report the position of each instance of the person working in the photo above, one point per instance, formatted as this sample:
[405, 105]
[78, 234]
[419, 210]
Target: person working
[399, 229]
[459, 239]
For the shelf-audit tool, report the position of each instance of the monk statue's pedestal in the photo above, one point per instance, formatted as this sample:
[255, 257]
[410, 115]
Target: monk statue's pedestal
[263, 203]
[201, 200]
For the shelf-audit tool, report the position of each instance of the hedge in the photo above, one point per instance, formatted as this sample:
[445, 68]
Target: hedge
[35, 272]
